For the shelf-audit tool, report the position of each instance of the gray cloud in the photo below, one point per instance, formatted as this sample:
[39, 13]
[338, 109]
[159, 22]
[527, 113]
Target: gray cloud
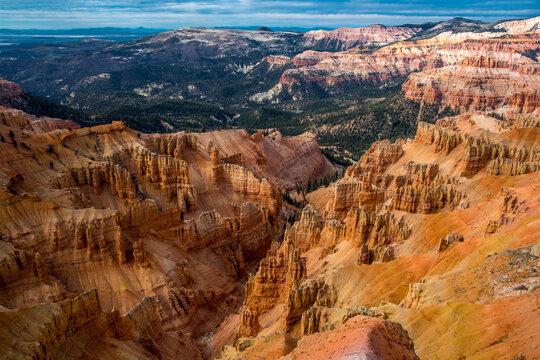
[309, 13]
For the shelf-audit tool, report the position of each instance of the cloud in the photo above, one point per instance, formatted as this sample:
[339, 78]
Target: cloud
[309, 13]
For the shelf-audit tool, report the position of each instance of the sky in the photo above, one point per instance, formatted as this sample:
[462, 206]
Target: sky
[174, 14]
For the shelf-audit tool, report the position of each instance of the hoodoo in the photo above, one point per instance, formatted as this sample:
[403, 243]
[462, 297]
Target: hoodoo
[224, 193]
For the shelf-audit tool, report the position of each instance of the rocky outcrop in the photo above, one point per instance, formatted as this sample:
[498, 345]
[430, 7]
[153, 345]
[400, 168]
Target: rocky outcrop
[445, 180]
[492, 226]
[321, 319]
[315, 319]
[277, 272]
[354, 194]
[45, 328]
[374, 229]
[450, 239]
[47, 331]
[304, 295]
[360, 337]
[499, 158]
[346, 38]
[140, 324]
[443, 139]
[249, 323]
[511, 204]
[376, 159]
[9, 89]
[242, 181]
[502, 166]
[527, 121]
[171, 144]
[306, 58]
[306, 232]
[118, 178]
[526, 102]
[186, 302]
[276, 61]
[285, 161]
[213, 232]
[22, 263]
[255, 230]
[373, 233]
[19, 120]
[425, 199]
[416, 174]
[164, 170]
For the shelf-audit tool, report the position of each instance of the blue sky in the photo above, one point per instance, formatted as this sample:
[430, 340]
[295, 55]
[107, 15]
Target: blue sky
[62, 14]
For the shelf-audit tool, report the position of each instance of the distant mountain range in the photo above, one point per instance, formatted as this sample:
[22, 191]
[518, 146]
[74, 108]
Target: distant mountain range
[23, 38]
[349, 84]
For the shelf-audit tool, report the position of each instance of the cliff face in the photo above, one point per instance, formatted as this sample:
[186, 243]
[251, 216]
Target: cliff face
[162, 227]
[486, 70]
[346, 38]
[482, 74]
[448, 232]
[443, 139]
[56, 328]
[329, 70]
[285, 161]
[359, 227]
[362, 337]
[425, 200]
[277, 272]
[10, 89]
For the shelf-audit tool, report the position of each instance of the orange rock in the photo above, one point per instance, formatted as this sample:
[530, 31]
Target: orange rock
[359, 337]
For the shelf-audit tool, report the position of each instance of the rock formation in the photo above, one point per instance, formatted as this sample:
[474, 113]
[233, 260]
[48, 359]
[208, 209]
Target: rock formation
[431, 241]
[497, 76]
[118, 244]
[346, 38]
[163, 227]
[443, 139]
[481, 69]
[285, 161]
[361, 337]
[499, 158]
[446, 242]
[282, 267]
[425, 199]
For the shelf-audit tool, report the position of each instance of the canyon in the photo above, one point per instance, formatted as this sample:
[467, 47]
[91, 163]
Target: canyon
[118, 244]
[255, 242]
[499, 62]
[336, 84]
[415, 237]
[140, 237]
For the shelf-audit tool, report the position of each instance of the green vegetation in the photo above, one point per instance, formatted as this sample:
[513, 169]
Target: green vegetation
[314, 184]
[346, 121]
[158, 114]
[38, 106]
[146, 114]
[290, 200]
[354, 129]
[346, 128]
